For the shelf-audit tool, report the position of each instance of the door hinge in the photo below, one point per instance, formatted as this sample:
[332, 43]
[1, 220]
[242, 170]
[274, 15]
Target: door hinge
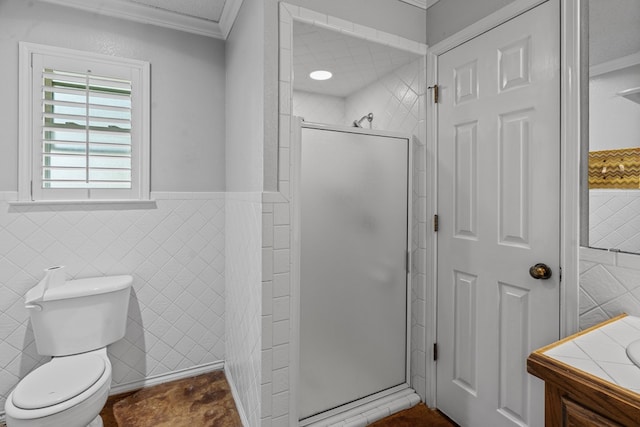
[435, 93]
[560, 274]
[435, 351]
[408, 261]
[31, 189]
[435, 223]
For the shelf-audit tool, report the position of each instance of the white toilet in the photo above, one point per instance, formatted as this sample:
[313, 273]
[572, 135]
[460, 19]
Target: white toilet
[73, 321]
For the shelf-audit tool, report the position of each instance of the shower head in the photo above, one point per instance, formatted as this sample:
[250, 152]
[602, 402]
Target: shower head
[358, 123]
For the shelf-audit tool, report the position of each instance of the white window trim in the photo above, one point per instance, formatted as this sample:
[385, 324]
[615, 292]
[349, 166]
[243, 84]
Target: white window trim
[142, 166]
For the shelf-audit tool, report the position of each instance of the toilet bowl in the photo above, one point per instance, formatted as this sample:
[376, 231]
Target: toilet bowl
[73, 321]
[67, 391]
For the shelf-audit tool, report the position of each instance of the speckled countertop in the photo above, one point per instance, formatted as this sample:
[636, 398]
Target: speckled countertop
[601, 352]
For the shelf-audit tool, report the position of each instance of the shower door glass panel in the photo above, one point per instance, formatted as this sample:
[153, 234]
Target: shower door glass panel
[353, 276]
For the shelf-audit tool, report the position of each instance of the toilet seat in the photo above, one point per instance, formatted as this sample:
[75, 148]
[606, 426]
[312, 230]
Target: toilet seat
[78, 410]
[61, 379]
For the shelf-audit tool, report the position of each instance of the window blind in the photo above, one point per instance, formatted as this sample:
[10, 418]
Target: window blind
[86, 131]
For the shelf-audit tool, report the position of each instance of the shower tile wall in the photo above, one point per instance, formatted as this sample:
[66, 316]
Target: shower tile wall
[609, 285]
[316, 108]
[276, 223]
[174, 251]
[393, 99]
[243, 300]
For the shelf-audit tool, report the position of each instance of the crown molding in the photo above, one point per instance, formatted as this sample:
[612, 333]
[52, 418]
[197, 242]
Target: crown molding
[137, 12]
[229, 13]
[422, 4]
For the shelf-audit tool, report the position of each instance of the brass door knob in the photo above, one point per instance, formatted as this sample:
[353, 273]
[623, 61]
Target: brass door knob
[540, 271]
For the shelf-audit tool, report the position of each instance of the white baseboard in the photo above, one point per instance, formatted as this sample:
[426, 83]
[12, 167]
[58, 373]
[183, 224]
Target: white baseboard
[236, 397]
[164, 378]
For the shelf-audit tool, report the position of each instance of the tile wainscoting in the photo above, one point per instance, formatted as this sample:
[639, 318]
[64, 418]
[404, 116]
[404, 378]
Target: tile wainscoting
[243, 301]
[609, 285]
[174, 248]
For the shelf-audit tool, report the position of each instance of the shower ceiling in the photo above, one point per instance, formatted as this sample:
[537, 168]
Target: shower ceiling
[354, 62]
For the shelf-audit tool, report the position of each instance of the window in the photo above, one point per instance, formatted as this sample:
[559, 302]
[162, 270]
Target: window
[84, 126]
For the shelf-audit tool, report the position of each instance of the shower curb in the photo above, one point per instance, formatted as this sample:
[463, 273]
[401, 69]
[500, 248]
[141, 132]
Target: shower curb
[372, 411]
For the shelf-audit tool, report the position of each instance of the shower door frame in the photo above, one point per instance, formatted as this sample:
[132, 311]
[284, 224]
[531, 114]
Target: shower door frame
[297, 124]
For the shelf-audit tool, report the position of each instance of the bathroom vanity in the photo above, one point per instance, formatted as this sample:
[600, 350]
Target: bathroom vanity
[589, 379]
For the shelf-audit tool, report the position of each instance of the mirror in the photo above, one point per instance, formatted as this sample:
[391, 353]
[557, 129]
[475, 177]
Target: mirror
[613, 176]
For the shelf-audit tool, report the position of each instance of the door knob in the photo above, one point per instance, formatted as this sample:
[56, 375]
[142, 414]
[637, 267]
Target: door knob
[540, 271]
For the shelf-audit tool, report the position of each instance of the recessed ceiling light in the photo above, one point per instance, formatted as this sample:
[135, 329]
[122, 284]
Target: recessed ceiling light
[320, 75]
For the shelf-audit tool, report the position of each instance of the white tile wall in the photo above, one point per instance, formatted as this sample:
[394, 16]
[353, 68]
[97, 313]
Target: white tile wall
[316, 108]
[609, 285]
[276, 308]
[175, 252]
[394, 100]
[276, 345]
[244, 300]
[614, 222]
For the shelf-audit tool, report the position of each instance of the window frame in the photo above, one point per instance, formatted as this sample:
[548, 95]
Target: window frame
[30, 111]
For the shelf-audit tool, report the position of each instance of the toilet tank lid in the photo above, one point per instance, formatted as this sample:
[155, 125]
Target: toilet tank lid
[80, 288]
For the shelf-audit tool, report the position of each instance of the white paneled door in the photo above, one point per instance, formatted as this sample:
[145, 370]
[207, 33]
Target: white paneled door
[498, 206]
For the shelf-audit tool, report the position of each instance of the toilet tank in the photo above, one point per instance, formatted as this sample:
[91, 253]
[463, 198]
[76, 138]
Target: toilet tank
[80, 315]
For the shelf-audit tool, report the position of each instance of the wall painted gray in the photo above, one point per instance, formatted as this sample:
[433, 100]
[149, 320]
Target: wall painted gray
[245, 99]
[187, 88]
[447, 17]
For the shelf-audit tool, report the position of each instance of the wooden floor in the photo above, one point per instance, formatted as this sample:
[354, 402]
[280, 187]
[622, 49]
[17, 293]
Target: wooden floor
[202, 401]
[206, 401]
[418, 416]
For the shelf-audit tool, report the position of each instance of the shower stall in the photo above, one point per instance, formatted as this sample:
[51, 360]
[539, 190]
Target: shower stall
[351, 261]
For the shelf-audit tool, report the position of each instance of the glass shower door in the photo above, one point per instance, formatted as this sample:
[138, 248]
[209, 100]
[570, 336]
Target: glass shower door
[353, 275]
